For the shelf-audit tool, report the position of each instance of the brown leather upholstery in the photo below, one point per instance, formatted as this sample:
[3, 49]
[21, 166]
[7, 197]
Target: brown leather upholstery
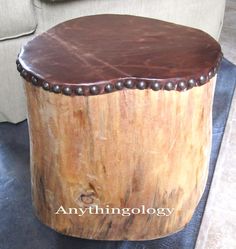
[96, 51]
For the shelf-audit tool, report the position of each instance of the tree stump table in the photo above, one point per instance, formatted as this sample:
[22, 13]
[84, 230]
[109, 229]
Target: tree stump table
[120, 119]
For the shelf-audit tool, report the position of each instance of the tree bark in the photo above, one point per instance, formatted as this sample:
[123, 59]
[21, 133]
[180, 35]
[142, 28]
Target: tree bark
[123, 149]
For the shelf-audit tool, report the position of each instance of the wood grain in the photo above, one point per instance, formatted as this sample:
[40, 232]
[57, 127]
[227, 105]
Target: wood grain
[123, 149]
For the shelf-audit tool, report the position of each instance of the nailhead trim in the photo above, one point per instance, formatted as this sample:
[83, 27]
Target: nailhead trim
[109, 88]
[132, 83]
[79, 90]
[56, 89]
[182, 85]
[46, 85]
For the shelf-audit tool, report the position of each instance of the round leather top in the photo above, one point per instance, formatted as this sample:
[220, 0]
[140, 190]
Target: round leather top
[103, 53]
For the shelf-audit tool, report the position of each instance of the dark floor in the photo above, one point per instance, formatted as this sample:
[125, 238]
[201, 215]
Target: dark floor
[19, 228]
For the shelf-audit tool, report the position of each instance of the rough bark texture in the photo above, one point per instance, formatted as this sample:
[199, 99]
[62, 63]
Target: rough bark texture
[123, 149]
